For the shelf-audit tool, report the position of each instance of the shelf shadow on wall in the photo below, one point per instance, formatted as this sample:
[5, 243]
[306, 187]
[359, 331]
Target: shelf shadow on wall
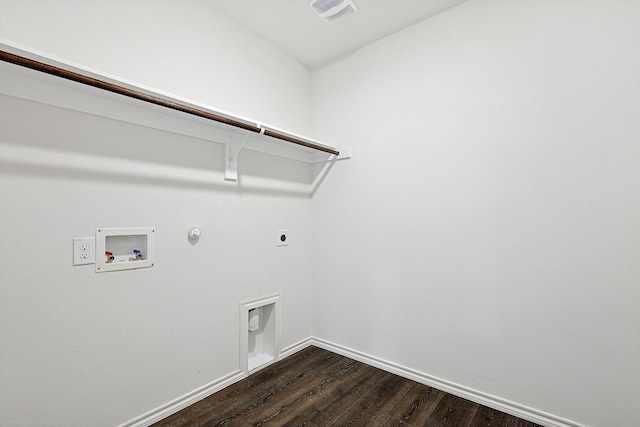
[61, 164]
[60, 143]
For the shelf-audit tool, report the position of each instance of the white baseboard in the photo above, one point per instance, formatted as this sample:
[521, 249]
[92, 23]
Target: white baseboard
[182, 402]
[476, 396]
[288, 351]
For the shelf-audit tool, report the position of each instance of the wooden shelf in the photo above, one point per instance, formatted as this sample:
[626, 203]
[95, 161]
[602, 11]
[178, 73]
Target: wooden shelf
[51, 81]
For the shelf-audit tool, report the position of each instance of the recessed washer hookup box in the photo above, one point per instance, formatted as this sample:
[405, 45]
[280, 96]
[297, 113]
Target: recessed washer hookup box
[125, 248]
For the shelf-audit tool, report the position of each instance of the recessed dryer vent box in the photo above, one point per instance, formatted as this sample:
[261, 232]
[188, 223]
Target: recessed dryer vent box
[125, 248]
[259, 332]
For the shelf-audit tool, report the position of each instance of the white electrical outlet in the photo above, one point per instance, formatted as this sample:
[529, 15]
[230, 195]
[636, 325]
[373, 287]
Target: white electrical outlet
[282, 238]
[84, 250]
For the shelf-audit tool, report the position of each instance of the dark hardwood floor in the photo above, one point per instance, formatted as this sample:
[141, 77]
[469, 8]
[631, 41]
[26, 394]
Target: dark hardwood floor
[318, 388]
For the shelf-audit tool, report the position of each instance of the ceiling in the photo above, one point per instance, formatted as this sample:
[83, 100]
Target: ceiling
[295, 28]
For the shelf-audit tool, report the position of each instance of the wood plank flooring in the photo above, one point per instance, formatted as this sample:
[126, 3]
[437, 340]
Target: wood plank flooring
[318, 388]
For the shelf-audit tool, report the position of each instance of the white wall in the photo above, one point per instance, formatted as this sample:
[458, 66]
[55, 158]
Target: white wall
[181, 47]
[87, 349]
[487, 231]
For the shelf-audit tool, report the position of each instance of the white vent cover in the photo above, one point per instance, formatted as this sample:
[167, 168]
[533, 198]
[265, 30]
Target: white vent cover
[330, 10]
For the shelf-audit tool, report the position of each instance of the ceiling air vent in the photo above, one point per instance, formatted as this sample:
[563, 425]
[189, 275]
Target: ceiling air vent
[331, 10]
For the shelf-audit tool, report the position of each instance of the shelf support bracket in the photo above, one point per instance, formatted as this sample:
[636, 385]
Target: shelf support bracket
[232, 151]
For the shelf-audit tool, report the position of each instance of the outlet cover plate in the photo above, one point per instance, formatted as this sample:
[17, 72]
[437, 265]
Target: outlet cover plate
[84, 250]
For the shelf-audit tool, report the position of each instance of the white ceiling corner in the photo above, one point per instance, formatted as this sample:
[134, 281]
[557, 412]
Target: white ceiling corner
[295, 28]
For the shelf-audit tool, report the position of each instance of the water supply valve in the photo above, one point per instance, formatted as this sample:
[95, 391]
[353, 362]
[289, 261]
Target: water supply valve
[125, 248]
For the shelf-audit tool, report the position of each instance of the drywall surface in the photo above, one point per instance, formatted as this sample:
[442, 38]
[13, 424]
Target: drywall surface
[184, 48]
[487, 230]
[83, 348]
[86, 349]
